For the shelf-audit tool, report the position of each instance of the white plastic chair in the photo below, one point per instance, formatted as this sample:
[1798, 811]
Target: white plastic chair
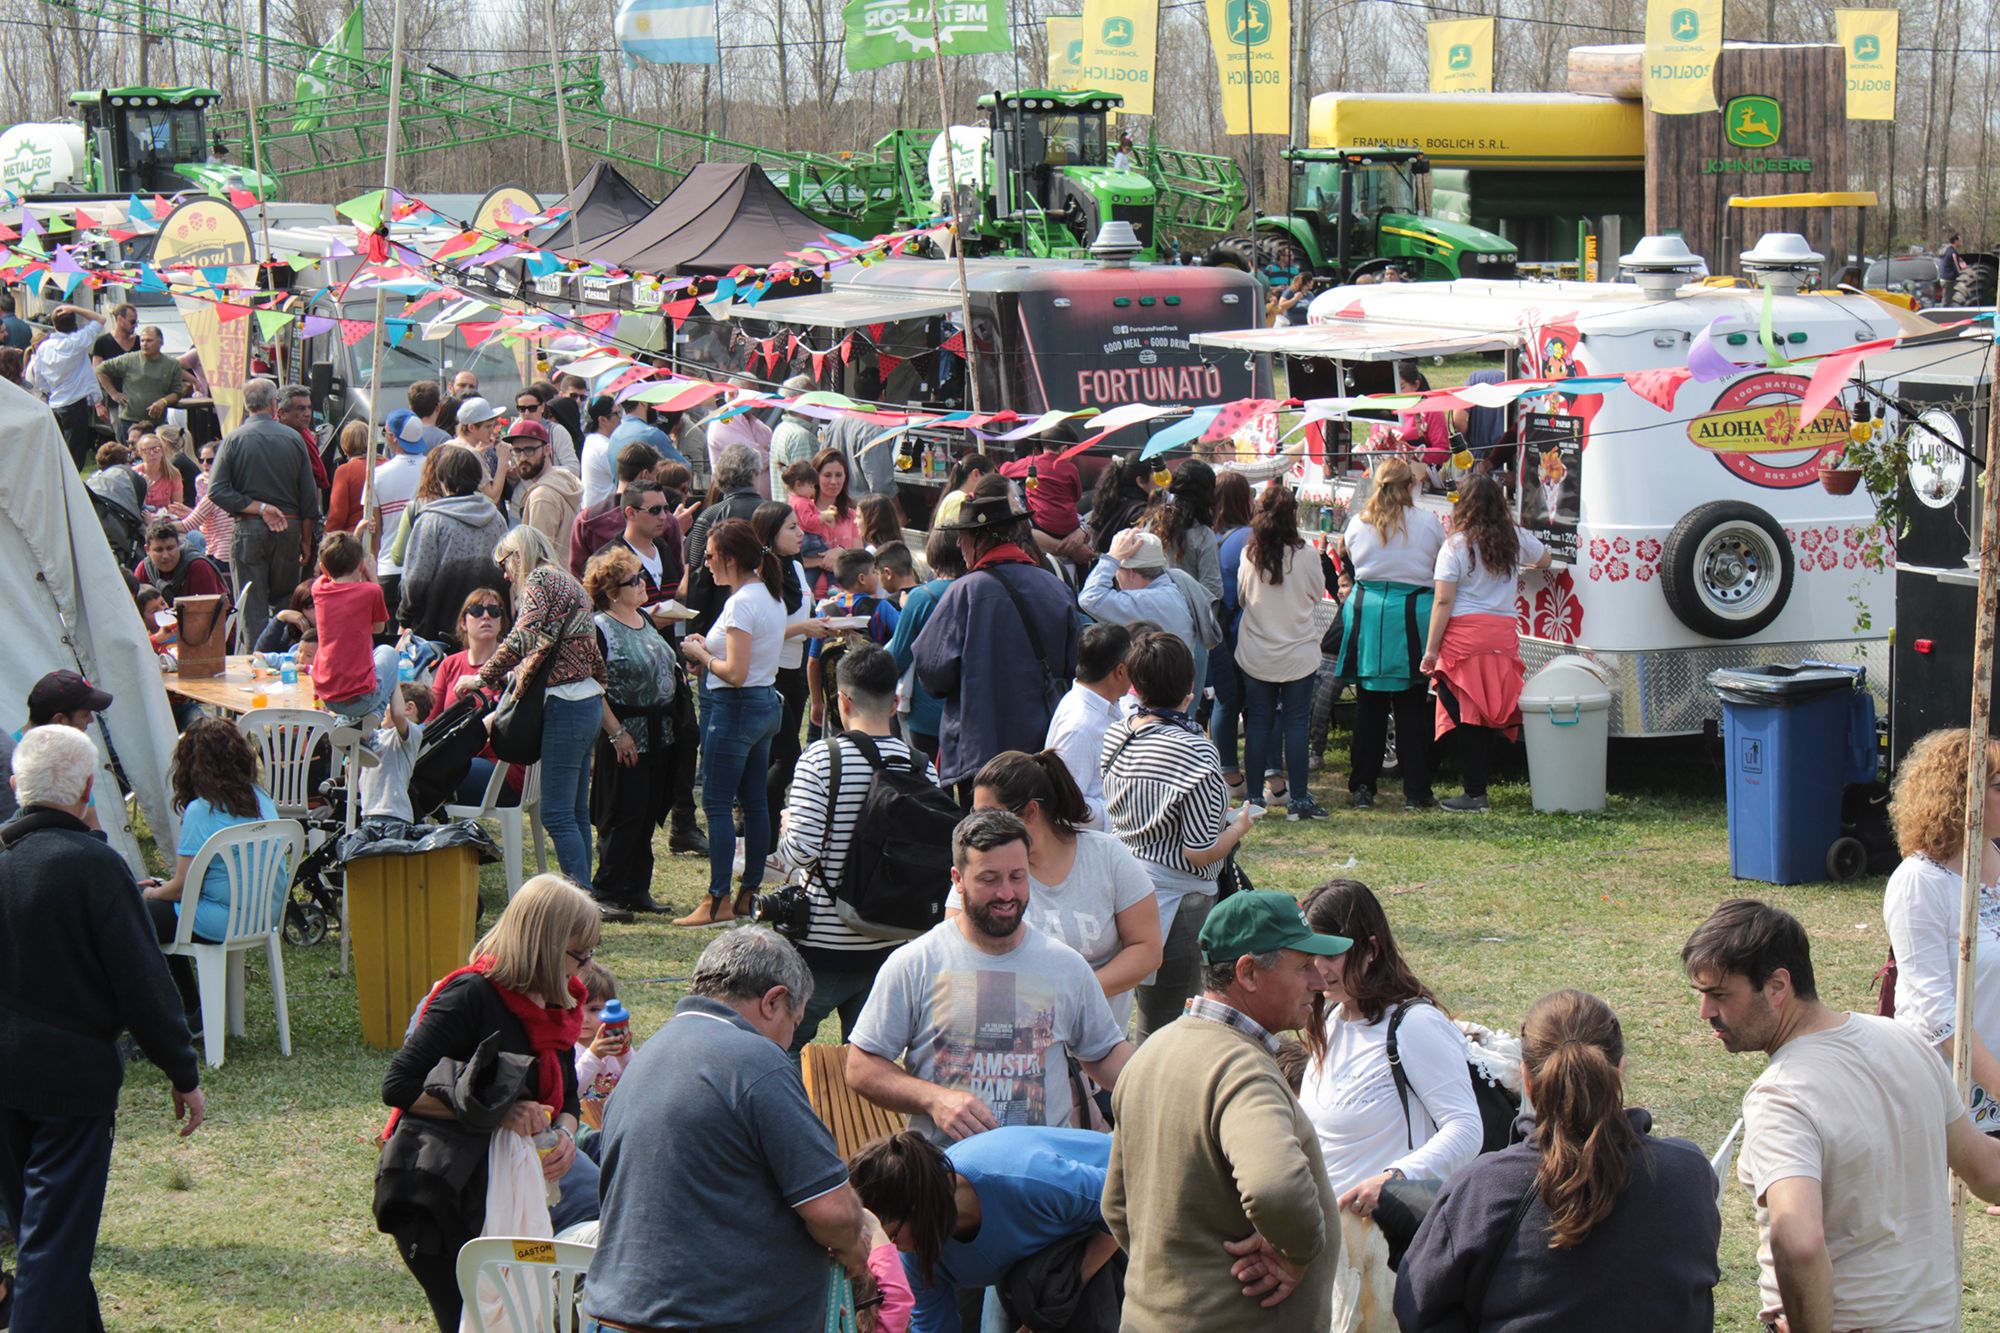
[258, 858]
[285, 739]
[1725, 1155]
[514, 820]
[539, 1282]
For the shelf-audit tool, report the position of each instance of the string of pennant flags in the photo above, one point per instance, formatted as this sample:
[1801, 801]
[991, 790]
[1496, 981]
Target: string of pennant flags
[30, 247]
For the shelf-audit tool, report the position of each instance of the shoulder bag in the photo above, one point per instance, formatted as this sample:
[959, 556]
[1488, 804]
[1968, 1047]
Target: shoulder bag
[516, 733]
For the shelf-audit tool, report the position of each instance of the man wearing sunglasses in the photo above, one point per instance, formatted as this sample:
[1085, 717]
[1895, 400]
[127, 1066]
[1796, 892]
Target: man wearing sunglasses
[532, 405]
[653, 536]
[544, 496]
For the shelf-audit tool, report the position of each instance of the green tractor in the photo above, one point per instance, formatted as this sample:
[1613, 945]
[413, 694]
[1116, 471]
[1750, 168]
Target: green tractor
[1359, 211]
[131, 141]
[1047, 175]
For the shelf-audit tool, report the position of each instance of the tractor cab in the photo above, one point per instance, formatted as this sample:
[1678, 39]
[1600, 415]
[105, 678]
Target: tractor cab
[1051, 171]
[1351, 192]
[155, 141]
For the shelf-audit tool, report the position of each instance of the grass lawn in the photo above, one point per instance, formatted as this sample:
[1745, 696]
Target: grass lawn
[261, 1221]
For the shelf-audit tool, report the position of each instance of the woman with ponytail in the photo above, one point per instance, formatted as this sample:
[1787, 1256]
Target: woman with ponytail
[1589, 1219]
[966, 1213]
[1084, 887]
[740, 712]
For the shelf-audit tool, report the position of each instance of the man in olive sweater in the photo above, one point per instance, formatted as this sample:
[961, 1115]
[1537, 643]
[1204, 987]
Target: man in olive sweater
[1217, 1190]
[78, 965]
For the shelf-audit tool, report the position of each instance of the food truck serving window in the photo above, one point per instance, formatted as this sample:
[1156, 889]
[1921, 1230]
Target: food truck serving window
[1361, 340]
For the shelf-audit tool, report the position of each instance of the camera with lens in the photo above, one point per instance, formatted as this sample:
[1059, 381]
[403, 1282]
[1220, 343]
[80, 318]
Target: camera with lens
[786, 909]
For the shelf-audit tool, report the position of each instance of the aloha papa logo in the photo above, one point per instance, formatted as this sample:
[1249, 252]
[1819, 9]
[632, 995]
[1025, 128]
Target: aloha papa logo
[1754, 431]
[1867, 47]
[1117, 32]
[1753, 122]
[1459, 57]
[1686, 25]
[1248, 22]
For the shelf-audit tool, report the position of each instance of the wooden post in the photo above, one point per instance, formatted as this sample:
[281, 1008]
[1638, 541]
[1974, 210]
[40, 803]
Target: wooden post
[562, 105]
[371, 506]
[957, 212]
[1976, 775]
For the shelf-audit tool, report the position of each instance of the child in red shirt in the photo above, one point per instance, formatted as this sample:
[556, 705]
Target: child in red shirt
[352, 677]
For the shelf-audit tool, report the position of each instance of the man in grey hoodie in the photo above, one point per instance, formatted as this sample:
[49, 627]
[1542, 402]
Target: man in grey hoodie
[450, 551]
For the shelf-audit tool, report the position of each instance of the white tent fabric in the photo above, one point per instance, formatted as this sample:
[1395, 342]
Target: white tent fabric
[64, 606]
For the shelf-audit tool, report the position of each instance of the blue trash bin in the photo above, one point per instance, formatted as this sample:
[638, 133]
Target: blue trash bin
[1789, 736]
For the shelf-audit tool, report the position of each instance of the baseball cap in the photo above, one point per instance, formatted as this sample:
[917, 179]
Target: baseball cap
[406, 428]
[1150, 553]
[475, 410]
[1261, 921]
[63, 692]
[528, 430]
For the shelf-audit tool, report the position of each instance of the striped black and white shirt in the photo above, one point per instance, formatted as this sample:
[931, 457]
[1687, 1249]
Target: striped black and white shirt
[806, 838]
[1164, 792]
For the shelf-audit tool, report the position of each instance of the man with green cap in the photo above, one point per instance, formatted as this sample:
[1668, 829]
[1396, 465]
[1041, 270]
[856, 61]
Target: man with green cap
[1217, 1190]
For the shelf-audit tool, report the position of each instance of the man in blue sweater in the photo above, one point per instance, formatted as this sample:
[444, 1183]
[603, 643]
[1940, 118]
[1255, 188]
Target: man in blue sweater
[78, 966]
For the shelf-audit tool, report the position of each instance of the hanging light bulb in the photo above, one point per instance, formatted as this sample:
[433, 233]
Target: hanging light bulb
[1861, 426]
[1161, 477]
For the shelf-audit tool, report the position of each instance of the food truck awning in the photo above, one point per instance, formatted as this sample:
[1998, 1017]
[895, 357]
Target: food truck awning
[845, 308]
[1361, 340]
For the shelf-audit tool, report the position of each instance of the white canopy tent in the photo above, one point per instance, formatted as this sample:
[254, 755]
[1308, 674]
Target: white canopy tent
[65, 606]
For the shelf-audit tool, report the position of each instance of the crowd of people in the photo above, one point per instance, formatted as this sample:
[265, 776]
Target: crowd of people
[1138, 1092]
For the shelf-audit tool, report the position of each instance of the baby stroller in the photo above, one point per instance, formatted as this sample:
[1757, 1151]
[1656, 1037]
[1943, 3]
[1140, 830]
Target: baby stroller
[119, 499]
[319, 883]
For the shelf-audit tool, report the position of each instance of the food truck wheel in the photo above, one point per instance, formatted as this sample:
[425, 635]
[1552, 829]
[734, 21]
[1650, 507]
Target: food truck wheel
[1727, 570]
[1237, 252]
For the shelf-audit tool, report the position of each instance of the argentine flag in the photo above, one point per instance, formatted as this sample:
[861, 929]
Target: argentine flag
[668, 32]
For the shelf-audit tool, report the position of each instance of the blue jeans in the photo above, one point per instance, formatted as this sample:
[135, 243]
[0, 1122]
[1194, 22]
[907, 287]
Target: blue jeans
[472, 787]
[837, 989]
[569, 729]
[579, 1193]
[1227, 679]
[737, 726]
[369, 706]
[1263, 702]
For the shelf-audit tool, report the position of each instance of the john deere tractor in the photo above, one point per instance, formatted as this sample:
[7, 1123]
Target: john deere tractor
[1050, 182]
[1357, 211]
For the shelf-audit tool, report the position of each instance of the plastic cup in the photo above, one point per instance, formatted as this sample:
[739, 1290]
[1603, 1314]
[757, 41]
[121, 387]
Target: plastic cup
[260, 700]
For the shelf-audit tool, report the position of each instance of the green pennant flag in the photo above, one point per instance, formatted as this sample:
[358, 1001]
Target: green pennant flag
[271, 323]
[317, 78]
[883, 32]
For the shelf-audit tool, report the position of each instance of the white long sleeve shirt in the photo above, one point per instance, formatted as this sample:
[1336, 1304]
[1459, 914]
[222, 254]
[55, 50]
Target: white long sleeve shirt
[1351, 1098]
[61, 366]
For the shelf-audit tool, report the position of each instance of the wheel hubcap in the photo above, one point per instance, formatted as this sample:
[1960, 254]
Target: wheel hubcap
[1737, 571]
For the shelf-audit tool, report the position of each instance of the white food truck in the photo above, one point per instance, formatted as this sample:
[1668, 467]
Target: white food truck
[1689, 524]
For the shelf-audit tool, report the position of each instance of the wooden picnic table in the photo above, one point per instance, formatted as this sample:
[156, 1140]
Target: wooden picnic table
[234, 690]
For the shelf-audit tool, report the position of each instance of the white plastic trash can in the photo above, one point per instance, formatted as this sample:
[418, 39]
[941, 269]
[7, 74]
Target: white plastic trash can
[1566, 721]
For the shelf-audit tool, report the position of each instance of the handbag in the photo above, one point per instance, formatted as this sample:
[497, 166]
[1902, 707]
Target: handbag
[516, 732]
[1498, 1104]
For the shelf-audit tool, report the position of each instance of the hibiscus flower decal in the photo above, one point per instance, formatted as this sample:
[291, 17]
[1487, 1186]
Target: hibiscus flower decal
[1558, 613]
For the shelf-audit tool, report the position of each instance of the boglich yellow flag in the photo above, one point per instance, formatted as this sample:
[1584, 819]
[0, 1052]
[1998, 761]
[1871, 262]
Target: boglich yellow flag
[1065, 51]
[1253, 50]
[1868, 36]
[1121, 40]
[1461, 55]
[1683, 38]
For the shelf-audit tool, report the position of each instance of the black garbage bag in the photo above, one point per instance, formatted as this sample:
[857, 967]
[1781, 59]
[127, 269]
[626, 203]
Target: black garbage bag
[386, 835]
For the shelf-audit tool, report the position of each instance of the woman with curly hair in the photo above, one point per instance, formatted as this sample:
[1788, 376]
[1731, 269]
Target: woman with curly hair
[1921, 907]
[1473, 653]
[214, 782]
[1183, 524]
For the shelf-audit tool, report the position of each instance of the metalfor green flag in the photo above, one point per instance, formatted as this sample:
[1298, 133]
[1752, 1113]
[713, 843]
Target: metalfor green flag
[882, 32]
[316, 79]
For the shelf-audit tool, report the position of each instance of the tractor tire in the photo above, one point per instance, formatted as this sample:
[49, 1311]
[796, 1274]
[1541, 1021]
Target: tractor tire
[1727, 570]
[1237, 252]
[1976, 286]
[1280, 255]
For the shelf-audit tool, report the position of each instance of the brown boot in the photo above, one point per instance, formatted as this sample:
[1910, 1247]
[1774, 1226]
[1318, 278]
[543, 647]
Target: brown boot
[745, 906]
[711, 912]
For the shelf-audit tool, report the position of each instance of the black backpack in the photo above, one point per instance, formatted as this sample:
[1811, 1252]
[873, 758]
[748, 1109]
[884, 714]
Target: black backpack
[1498, 1104]
[897, 874]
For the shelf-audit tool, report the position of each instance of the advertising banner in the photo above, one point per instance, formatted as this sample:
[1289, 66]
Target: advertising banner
[1120, 43]
[883, 32]
[1461, 55]
[1868, 36]
[211, 234]
[1253, 51]
[1683, 38]
[1065, 51]
[1552, 479]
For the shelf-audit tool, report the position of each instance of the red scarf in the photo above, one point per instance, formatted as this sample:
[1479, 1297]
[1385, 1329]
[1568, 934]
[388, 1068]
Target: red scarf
[1006, 553]
[552, 1032]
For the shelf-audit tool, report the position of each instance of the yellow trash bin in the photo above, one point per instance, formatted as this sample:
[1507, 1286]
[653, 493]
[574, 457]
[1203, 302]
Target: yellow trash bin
[410, 921]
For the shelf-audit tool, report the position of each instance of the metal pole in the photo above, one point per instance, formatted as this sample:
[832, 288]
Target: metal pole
[257, 154]
[264, 49]
[562, 104]
[957, 211]
[370, 502]
[1976, 775]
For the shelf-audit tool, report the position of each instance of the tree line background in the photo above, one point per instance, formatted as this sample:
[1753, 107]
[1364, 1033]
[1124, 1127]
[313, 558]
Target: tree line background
[783, 83]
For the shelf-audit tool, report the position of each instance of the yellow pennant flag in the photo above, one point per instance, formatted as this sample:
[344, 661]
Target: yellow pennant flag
[1461, 55]
[1121, 40]
[1065, 51]
[1683, 38]
[1253, 51]
[1868, 36]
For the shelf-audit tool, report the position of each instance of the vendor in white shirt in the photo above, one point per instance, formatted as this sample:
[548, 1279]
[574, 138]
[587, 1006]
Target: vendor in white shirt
[1371, 1131]
[1100, 696]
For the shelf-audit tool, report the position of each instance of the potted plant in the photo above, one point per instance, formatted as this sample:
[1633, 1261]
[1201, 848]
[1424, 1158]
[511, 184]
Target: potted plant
[1838, 473]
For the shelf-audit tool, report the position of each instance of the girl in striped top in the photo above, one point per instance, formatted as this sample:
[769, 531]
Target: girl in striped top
[1164, 793]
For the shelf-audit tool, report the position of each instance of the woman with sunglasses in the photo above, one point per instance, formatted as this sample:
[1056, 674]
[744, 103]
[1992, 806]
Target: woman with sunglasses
[633, 785]
[482, 623]
[521, 990]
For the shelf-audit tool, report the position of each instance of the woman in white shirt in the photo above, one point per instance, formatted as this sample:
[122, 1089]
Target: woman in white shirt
[1280, 584]
[1922, 904]
[740, 712]
[1369, 1129]
[777, 526]
[600, 475]
[1387, 558]
[1473, 653]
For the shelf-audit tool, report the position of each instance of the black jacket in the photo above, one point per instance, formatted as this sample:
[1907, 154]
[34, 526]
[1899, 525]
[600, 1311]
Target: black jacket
[1046, 1293]
[79, 964]
[1649, 1267]
[430, 1182]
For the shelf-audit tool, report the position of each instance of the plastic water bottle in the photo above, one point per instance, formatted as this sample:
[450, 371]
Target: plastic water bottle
[288, 674]
[545, 1143]
[406, 670]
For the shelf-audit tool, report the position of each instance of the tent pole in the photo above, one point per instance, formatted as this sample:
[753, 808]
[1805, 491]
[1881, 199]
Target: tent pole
[957, 212]
[371, 503]
[1976, 775]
